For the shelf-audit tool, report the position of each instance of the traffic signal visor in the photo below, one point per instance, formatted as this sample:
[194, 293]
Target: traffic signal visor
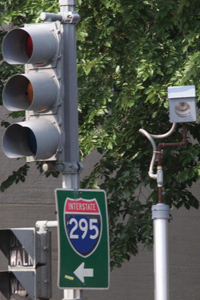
[30, 45]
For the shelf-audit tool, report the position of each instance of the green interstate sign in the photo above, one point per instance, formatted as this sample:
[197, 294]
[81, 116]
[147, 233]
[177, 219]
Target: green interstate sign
[83, 239]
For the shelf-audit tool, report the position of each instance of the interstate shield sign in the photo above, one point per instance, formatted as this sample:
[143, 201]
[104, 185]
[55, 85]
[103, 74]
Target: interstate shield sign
[83, 225]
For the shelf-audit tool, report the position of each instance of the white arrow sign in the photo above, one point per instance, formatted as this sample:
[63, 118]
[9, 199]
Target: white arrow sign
[81, 272]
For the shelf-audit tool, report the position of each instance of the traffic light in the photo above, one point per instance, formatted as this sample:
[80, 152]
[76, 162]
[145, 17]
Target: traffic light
[38, 92]
[29, 264]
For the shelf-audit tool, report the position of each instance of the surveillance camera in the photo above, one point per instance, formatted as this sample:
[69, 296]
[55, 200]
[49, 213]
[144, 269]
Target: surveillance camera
[182, 103]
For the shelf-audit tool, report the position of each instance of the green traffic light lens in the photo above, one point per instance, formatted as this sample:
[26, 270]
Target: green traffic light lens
[32, 143]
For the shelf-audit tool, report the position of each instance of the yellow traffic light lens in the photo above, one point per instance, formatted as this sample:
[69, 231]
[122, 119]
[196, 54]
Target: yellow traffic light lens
[29, 92]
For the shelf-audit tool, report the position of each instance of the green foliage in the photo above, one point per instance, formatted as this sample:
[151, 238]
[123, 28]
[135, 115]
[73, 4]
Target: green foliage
[17, 176]
[129, 52]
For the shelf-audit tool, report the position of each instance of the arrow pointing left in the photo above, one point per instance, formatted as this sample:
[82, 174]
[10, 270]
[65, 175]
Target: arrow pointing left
[81, 272]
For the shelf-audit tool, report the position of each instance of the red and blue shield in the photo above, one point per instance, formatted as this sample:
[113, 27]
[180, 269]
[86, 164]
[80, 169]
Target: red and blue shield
[83, 225]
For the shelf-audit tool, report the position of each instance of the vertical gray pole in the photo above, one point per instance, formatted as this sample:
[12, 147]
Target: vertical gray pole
[70, 178]
[70, 116]
[160, 216]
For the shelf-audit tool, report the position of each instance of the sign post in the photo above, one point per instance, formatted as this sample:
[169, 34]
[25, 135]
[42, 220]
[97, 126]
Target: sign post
[83, 239]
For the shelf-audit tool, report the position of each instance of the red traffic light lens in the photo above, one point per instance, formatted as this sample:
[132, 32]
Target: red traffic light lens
[29, 49]
[29, 46]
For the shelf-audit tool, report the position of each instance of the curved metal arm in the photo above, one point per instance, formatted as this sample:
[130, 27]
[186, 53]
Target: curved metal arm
[164, 135]
[151, 138]
[145, 133]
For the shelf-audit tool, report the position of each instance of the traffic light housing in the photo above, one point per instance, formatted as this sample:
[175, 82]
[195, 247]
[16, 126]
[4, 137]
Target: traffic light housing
[29, 263]
[38, 92]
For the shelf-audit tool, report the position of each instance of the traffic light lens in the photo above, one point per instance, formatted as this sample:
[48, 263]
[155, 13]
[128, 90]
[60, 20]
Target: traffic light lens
[29, 46]
[37, 138]
[32, 143]
[29, 49]
[29, 92]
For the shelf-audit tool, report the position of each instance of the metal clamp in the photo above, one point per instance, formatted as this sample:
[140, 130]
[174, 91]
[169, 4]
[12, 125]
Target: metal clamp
[44, 225]
[72, 168]
[70, 17]
[64, 168]
[160, 211]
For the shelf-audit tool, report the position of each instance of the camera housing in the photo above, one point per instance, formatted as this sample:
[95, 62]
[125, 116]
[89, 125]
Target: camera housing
[182, 103]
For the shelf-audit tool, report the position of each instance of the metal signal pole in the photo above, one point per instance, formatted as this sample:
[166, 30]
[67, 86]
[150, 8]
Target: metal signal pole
[70, 177]
[70, 166]
[70, 117]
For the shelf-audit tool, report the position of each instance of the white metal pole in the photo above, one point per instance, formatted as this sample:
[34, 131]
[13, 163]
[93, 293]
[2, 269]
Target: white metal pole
[161, 216]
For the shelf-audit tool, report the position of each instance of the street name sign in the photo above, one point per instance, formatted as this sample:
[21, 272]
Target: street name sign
[83, 239]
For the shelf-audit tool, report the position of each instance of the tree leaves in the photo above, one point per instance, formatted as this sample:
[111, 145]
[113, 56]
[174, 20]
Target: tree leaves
[129, 52]
[16, 177]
